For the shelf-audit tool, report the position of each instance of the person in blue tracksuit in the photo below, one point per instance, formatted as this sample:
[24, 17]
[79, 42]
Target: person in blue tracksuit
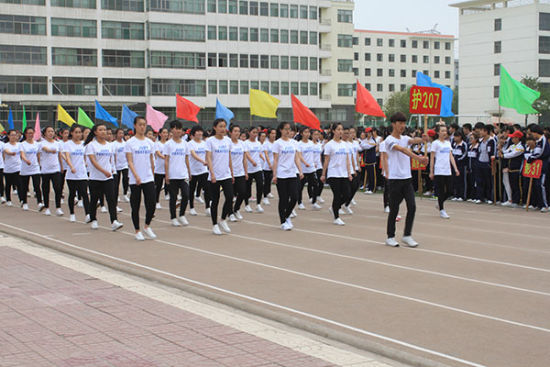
[460, 154]
[512, 157]
[542, 152]
[484, 178]
[472, 170]
[368, 146]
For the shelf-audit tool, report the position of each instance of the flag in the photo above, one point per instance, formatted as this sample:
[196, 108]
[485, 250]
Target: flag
[2, 128]
[516, 95]
[223, 112]
[263, 104]
[63, 116]
[446, 93]
[127, 117]
[83, 119]
[155, 118]
[303, 115]
[102, 114]
[365, 102]
[37, 131]
[24, 123]
[10, 120]
[186, 110]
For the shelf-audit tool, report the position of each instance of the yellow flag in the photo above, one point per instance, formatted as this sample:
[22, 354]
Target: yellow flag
[263, 104]
[2, 128]
[63, 116]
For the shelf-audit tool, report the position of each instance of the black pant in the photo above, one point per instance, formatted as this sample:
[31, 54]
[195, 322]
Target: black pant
[1, 182]
[79, 187]
[311, 185]
[460, 182]
[370, 169]
[97, 190]
[287, 188]
[12, 180]
[55, 179]
[354, 186]
[340, 187]
[123, 173]
[268, 177]
[177, 186]
[197, 182]
[386, 194]
[214, 189]
[484, 182]
[259, 178]
[35, 185]
[148, 190]
[399, 190]
[159, 179]
[239, 190]
[514, 177]
[320, 184]
[443, 184]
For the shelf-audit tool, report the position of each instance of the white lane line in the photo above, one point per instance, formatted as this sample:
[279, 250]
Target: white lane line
[250, 298]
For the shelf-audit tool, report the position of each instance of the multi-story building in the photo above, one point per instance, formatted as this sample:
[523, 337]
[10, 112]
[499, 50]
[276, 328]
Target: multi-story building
[513, 33]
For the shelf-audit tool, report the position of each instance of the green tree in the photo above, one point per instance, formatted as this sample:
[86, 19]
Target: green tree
[398, 102]
[543, 103]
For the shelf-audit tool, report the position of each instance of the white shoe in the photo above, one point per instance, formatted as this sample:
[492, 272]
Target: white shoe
[87, 218]
[238, 215]
[316, 206]
[25, 207]
[477, 201]
[353, 202]
[392, 242]
[193, 212]
[47, 212]
[398, 218]
[409, 241]
[339, 222]
[387, 209]
[216, 230]
[506, 203]
[225, 226]
[9, 203]
[80, 204]
[459, 199]
[126, 199]
[199, 199]
[289, 223]
[139, 236]
[104, 209]
[149, 233]
[489, 202]
[259, 209]
[72, 218]
[118, 200]
[453, 199]
[265, 201]
[167, 197]
[40, 207]
[59, 212]
[183, 220]
[233, 218]
[293, 214]
[2, 200]
[285, 227]
[270, 196]
[158, 206]
[368, 192]
[348, 210]
[428, 193]
[443, 214]
[94, 225]
[248, 209]
[118, 210]
[207, 212]
[116, 225]
[301, 206]
[62, 201]
[321, 200]
[175, 223]
[544, 210]
[179, 196]
[514, 206]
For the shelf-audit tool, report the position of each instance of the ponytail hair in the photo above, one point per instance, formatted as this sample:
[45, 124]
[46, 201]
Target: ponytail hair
[281, 127]
[27, 129]
[91, 135]
[160, 131]
[72, 129]
[333, 127]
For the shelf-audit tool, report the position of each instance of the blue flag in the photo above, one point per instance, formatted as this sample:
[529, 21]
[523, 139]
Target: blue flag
[223, 112]
[10, 120]
[446, 93]
[102, 114]
[128, 117]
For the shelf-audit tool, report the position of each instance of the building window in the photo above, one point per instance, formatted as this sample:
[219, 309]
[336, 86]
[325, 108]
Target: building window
[294, 88]
[313, 63]
[233, 60]
[403, 58]
[274, 35]
[222, 60]
[414, 59]
[274, 62]
[264, 9]
[498, 24]
[212, 32]
[25, 2]
[303, 11]
[243, 87]
[355, 41]
[367, 56]
[379, 57]
[496, 69]
[254, 61]
[356, 56]
[544, 68]
[403, 43]
[254, 84]
[447, 45]
[402, 87]
[254, 34]
[274, 9]
[313, 12]
[304, 62]
[379, 42]
[544, 45]
[391, 58]
[345, 90]
[345, 66]
[274, 88]
[212, 87]
[294, 37]
[212, 59]
[304, 88]
[74, 27]
[294, 62]
[75, 86]
[294, 11]
[448, 60]
[222, 33]
[367, 41]
[414, 44]
[122, 30]
[25, 55]
[436, 45]
[283, 11]
[496, 91]
[367, 72]
[379, 72]
[379, 87]
[233, 87]
[243, 60]
[391, 72]
[391, 87]
[211, 6]
[391, 43]
[426, 59]
[313, 38]
[124, 5]
[368, 86]
[285, 90]
[253, 10]
[15, 84]
[436, 74]
[264, 35]
[284, 62]
[176, 32]
[304, 37]
[498, 47]
[447, 75]
[345, 40]
[85, 4]
[123, 87]
[243, 34]
[544, 21]
[283, 35]
[233, 33]
[436, 59]
[345, 16]
[264, 61]
[74, 56]
[313, 89]
[413, 74]
[403, 73]
[232, 6]
[379, 101]
[426, 44]
[123, 59]
[184, 87]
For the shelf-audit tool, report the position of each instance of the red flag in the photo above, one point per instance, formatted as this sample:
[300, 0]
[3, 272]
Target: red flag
[303, 115]
[366, 104]
[186, 110]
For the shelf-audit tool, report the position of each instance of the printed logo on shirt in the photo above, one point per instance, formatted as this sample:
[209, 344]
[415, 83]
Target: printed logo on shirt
[144, 149]
[103, 153]
[179, 151]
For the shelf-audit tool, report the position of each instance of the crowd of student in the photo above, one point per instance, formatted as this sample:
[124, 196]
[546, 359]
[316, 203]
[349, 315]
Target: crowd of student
[478, 164]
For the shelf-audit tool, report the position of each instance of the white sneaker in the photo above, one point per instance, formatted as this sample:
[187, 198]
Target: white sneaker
[94, 225]
[392, 242]
[158, 206]
[199, 199]
[25, 207]
[368, 192]
[489, 202]
[126, 199]
[149, 233]
[59, 212]
[2, 200]
[47, 212]
[87, 218]
[348, 210]
[72, 218]
[301, 206]
[506, 203]
[285, 227]
[293, 214]
[80, 204]
[321, 200]
[167, 197]
[104, 209]
[183, 220]
[443, 214]
[9, 203]
[428, 193]
[118, 200]
[453, 199]
[207, 212]
[116, 225]
[259, 209]
[175, 223]
[216, 230]
[477, 201]
[289, 223]
[233, 218]
[265, 201]
[118, 210]
[544, 210]
[387, 209]
[40, 207]
[248, 209]
[179, 196]
[225, 226]
[339, 222]
[316, 206]
[353, 202]
[270, 196]
[193, 212]
[139, 236]
[239, 215]
[409, 241]
[459, 199]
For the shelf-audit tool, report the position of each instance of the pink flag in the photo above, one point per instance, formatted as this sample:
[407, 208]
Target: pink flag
[37, 132]
[155, 118]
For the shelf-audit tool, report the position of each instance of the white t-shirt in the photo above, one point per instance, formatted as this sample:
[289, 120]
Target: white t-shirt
[12, 163]
[76, 153]
[255, 149]
[63, 162]
[197, 168]
[177, 166]
[120, 155]
[379, 141]
[1, 155]
[159, 162]
[442, 150]
[318, 151]
[350, 152]
[49, 162]
[141, 151]
[220, 149]
[356, 149]
[104, 155]
[237, 158]
[399, 164]
[339, 153]
[268, 148]
[31, 152]
[308, 153]
[286, 151]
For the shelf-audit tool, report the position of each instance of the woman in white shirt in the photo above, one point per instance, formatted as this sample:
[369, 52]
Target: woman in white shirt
[255, 157]
[308, 156]
[159, 165]
[77, 176]
[268, 164]
[218, 156]
[30, 168]
[337, 170]
[199, 169]
[100, 154]
[286, 164]
[139, 153]
[12, 166]
[350, 137]
[121, 165]
[317, 138]
[240, 175]
[50, 169]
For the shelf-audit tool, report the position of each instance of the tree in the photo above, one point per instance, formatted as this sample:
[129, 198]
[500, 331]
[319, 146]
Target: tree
[543, 103]
[398, 102]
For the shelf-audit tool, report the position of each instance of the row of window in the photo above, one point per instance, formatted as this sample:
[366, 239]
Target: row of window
[403, 58]
[223, 33]
[262, 8]
[402, 73]
[436, 45]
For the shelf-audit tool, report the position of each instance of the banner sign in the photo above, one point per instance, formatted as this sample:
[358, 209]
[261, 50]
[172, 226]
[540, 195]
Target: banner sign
[532, 170]
[425, 100]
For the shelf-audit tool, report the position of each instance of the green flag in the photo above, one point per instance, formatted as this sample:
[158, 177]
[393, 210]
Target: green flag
[515, 94]
[24, 126]
[83, 119]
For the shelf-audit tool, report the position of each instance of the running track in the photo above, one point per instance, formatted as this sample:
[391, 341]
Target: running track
[475, 293]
